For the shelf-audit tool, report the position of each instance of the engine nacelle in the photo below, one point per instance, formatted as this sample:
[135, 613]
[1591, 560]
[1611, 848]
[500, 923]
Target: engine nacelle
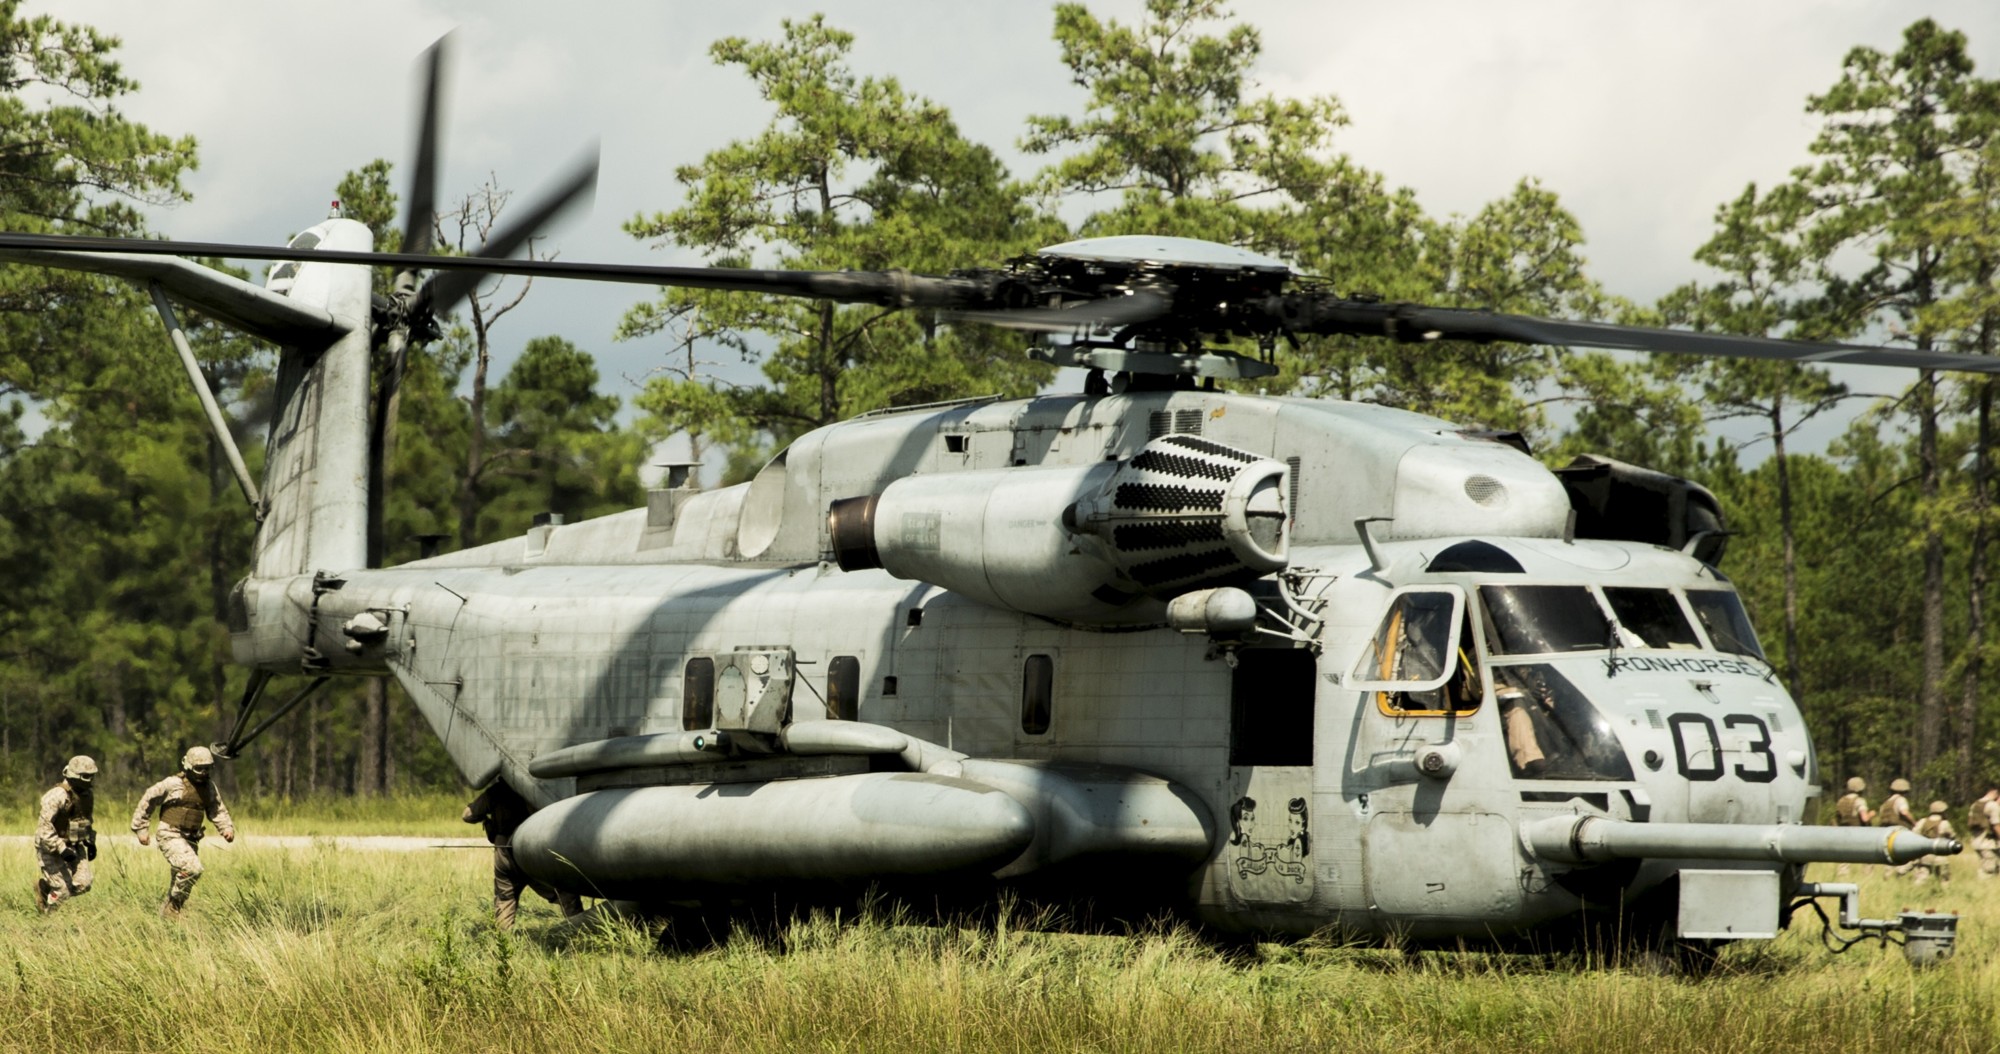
[1091, 543]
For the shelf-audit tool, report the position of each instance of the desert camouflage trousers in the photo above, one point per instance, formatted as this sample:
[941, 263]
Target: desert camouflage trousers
[61, 879]
[508, 883]
[183, 859]
[1988, 848]
[1925, 868]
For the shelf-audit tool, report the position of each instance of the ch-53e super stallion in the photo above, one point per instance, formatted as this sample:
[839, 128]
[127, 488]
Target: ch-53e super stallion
[1283, 664]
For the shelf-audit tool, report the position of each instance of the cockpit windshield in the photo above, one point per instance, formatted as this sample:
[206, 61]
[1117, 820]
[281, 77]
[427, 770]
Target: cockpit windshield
[1653, 616]
[1534, 620]
[1553, 732]
[1722, 615]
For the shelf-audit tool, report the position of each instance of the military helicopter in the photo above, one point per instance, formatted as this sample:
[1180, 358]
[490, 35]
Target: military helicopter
[1284, 665]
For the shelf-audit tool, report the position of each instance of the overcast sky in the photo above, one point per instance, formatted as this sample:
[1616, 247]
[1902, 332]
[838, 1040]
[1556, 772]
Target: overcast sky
[1642, 116]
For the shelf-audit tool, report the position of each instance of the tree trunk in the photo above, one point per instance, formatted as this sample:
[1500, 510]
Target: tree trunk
[1931, 714]
[1793, 682]
[475, 447]
[116, 721]
[829, 394]
[311, 707]
[1975, 606]
[368, 781]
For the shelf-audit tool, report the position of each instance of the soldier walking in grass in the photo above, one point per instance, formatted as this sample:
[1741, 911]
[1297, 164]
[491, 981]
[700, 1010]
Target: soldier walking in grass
[65, 842]
[1983, 820]
[1895, 811]
[1852, 810]
[186, 800]
[501, 810]
[1934, 826]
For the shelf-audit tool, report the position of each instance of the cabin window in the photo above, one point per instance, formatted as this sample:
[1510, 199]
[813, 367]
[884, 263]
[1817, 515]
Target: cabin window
[1271, 707]
[1038, 685]
[843, 688]
[1535, 620]
[698, 694]
[1721, 614]
[1652, 615]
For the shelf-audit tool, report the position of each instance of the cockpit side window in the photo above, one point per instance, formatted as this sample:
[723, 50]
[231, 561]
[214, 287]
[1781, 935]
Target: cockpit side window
[1458, 696]
[1535, 620]
[1722, 615]
[1653, 615]
[1419, 661]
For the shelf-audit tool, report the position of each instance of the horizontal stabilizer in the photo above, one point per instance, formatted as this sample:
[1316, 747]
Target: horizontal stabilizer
[224, 298]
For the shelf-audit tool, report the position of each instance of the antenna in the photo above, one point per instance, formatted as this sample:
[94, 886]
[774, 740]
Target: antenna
[1375, 562]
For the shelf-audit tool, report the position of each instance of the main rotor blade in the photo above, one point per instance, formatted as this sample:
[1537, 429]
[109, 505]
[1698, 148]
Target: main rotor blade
[423, 171]
[444, 291]
[1140, 305]
[1417, 323]
[887, 288]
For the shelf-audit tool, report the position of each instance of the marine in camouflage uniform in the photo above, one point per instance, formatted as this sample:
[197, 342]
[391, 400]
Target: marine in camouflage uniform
[185, 799]
[501, 810]
[1983, 820]
[65, 842]
[1852, 810]
[1895, 811]
[1934, 826]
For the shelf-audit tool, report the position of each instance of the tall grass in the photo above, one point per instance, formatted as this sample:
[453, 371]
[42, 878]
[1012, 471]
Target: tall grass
[430, 814]
[321, 950]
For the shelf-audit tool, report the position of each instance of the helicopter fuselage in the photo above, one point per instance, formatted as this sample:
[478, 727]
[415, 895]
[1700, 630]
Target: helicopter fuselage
[1347, 761]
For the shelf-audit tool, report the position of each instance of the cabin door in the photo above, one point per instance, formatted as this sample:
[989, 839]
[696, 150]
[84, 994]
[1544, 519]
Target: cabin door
[1268, 857]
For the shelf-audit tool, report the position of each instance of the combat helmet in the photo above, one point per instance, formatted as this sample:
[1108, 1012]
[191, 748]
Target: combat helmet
[196, 761]
[1856, 784]
[1899, 785]
[1938, 808]
[81, 769]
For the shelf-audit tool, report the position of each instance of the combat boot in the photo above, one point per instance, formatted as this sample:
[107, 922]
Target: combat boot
[42, 897]
[170, 910]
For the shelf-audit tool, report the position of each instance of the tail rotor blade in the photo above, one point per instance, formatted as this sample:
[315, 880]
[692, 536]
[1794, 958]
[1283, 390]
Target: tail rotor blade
[445, 290]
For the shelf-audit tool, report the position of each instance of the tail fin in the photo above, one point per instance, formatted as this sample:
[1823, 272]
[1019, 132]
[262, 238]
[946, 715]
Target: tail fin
[316, 462]
[316, 466]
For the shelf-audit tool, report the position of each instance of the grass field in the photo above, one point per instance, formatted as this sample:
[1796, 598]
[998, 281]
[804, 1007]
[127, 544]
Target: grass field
[317, 950]
[432, 815]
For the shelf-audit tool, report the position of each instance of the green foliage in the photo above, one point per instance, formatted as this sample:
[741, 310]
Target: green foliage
[852, 172]
[74, 164]
[556, 445]
[1168, 127]
[1174, 130]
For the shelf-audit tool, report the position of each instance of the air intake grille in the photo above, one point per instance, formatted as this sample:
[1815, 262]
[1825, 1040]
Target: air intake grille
[1165, 523]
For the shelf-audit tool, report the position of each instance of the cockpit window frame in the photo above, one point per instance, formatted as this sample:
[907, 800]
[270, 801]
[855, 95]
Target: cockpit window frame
[1454, 642]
